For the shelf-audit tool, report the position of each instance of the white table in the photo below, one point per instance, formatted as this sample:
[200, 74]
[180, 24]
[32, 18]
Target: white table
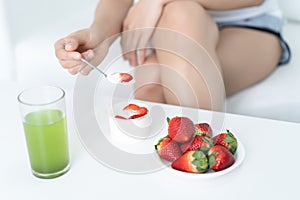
[269, 171]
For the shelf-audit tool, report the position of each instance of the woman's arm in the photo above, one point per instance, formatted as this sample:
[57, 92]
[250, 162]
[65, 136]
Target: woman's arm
[223, 4]
[109, 17]
[89, 43]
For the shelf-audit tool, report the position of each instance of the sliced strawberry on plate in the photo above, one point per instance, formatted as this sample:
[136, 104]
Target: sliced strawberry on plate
[203, 129]
[168, 149]
[181, 129]
[135, 111]
[192, 161]
[220, 158]
[120, 117]
[131, 107]
[139, 113]
[227, 140]
[199, 142]
[125, 77]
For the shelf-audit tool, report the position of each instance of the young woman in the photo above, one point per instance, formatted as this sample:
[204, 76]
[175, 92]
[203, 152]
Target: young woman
[242, 39]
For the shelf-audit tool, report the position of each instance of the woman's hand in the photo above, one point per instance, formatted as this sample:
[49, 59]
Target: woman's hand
[142, 16]
[83, 43]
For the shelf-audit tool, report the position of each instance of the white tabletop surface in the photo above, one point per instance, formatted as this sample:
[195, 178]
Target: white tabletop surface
[270, 169]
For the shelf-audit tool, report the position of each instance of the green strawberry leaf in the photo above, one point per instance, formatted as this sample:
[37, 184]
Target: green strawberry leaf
[230, 134]
[200, 161]
[198, 133]
[208, 141]
[231, 141]
[159, 141]
[201, 165]
[168, 120]
[197, 154]
[204, 149]
[212, 159]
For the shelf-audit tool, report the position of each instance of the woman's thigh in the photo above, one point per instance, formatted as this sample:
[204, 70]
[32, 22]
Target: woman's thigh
[246, 56]
[190, 77]
[180, 82]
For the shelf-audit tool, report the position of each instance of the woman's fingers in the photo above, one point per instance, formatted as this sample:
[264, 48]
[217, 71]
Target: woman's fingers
[126, 44]
[71, 63]
[75, 40]
[71, 49]
[68, 64]
[130, 44]
[138, 30]
[88, 55]
[62, 54]
[134, 44]
[132, 58]
[65, 49]
[141, 56]
[75, 66]
[86, 70]
[76, 69]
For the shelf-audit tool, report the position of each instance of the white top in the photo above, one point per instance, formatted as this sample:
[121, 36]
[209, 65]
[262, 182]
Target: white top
[268, 7]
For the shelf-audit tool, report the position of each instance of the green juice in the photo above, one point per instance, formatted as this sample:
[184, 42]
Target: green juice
[47, 141]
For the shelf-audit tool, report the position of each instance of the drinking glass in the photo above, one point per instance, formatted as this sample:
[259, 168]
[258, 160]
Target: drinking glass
[44, 122]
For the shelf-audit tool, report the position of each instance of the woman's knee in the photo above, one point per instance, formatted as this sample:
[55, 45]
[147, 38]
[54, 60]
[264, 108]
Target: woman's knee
[180, 13]
[191, 19]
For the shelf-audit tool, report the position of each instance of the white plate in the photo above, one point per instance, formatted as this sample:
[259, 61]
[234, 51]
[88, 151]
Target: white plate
[239, 157]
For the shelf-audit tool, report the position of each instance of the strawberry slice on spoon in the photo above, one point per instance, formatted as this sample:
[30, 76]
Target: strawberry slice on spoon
[120, 77]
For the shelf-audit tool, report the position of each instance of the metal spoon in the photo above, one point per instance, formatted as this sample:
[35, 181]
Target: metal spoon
[94, 67]
[114, 77]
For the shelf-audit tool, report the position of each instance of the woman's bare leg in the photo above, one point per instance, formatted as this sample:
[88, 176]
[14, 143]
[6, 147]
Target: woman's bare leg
[247, 56]
[180, 77]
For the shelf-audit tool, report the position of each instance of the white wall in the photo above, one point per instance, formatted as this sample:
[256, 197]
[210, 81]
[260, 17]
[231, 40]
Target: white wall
[26, 17]
[6, 54]
[290, 9]
[30, 28]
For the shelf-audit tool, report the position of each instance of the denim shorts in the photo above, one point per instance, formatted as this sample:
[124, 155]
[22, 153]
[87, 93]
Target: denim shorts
[267, 23]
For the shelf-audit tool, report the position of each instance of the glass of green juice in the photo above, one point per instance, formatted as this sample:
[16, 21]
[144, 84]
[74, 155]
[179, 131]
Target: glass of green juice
[44, 120]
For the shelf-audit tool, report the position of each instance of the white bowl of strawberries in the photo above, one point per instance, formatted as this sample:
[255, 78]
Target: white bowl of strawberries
[193, 148]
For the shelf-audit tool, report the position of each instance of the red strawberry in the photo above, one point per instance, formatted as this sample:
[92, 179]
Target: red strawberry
[192, 161]
[125, 77]
[142, 111]
[139, 113]
[120, 117]
[168, 149]
[220, 158]
[227, 140]
[202, 143]
[181, 129]
[135, 111]
[203, 129]
[131, 107]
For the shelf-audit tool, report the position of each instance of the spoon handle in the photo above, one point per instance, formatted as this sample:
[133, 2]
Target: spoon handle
[94, 67]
